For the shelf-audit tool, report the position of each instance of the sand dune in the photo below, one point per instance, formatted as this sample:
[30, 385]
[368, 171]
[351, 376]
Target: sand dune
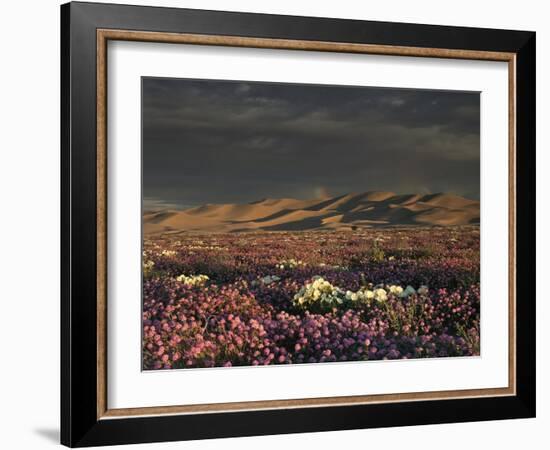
[351, 211]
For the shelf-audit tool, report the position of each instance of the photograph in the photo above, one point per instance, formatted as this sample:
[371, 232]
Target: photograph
[281, 223]
[288, 223]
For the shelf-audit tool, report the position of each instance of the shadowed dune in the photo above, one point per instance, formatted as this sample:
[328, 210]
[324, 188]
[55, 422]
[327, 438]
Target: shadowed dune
[367, 209]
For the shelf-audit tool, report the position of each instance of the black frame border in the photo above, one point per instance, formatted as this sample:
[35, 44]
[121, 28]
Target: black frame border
[79, 424]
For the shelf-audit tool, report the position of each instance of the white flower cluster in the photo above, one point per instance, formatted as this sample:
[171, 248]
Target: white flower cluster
[366, 295]
[319, 291]
[322, 292]
[380, 292]
[396, 290]
[290, 264]
[193, 280]
[148, 266]
[168, 253]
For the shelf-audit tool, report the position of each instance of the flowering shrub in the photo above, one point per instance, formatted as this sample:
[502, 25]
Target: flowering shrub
[366, 295]
[148, 267]
[321, 308]
[193, 280]
[319, 294]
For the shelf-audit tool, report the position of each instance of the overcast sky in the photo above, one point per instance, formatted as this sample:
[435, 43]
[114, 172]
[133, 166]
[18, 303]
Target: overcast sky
[210, 141]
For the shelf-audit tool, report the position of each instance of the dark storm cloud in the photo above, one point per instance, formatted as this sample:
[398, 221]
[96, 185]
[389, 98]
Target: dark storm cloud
[221, 141]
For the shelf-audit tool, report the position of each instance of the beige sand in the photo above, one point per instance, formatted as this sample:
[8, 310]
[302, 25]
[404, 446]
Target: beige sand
[349, 211]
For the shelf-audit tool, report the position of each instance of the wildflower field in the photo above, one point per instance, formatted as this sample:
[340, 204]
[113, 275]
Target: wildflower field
[259, 298]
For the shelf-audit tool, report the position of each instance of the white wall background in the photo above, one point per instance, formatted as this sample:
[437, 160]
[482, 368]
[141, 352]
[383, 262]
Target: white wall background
[29, 222]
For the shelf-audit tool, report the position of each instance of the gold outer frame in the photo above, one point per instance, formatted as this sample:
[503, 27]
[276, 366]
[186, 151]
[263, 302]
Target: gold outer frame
[104, 35]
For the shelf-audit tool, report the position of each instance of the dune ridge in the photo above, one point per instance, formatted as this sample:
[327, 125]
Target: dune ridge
[343, 212]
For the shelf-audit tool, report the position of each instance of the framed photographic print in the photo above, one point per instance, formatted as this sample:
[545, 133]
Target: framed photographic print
[276, 224]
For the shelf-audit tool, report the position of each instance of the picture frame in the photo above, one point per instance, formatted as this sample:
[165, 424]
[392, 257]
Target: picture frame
[86, 29]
